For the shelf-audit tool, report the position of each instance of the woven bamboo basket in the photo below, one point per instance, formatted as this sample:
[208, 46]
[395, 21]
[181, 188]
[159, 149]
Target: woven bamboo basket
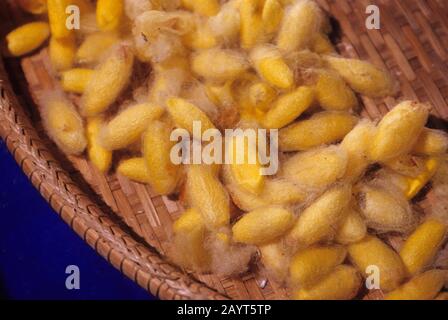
[126, 222]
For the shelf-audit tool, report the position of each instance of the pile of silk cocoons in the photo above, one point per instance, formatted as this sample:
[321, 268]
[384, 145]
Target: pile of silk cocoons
[138, 69]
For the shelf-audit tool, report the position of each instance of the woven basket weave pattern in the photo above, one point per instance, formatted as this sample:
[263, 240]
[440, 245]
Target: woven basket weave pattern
[126, 222]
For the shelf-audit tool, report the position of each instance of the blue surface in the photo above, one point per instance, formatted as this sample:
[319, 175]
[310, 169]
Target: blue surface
[36, 246]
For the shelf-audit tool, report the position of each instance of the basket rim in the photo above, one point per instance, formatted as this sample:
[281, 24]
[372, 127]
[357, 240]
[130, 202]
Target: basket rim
[102, 230]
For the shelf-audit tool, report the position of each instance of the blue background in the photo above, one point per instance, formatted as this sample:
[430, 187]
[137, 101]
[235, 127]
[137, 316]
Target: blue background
[36, 246]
